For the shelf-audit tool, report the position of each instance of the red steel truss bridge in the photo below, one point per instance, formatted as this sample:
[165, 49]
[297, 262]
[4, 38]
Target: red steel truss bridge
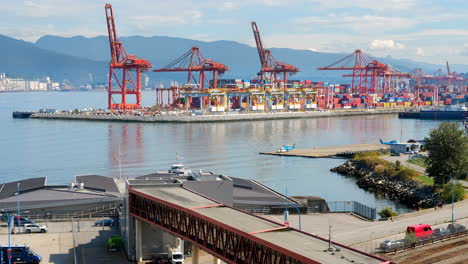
[233, 235]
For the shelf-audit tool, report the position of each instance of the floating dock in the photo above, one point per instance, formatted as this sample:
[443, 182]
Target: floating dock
[331, 151]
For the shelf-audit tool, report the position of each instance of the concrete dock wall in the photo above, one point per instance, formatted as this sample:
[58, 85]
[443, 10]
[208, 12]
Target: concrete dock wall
[186, 118]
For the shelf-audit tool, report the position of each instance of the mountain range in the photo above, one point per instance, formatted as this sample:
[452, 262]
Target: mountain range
[76, 59]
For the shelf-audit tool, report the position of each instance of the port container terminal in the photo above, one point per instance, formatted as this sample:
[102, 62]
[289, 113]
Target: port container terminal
[373, 84]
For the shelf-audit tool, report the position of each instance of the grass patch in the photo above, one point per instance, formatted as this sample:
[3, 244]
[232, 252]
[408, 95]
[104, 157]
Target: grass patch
[418, 161]
[381, 166]
[426, 180]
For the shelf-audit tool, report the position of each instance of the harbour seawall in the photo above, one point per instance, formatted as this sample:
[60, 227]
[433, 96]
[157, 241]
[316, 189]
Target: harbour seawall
[405, 191]
[186, 118]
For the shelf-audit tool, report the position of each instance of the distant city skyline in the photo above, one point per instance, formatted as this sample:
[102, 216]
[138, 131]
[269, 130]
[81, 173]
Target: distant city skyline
[427, 31]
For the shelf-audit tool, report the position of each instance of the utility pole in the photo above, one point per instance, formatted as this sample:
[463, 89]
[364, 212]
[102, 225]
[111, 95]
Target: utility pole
[19, 214]
[453, 196]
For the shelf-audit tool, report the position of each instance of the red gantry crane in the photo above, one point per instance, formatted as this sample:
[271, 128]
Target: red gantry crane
[194, 61]
[124, 65]
[368, 74]
[269, 64]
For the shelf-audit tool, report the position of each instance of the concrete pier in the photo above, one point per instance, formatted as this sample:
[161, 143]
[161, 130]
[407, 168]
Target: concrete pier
[186, 117]
[330, 151]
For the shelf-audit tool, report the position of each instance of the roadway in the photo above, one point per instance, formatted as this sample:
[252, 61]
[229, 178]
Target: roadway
[57, 245]
[366, 235]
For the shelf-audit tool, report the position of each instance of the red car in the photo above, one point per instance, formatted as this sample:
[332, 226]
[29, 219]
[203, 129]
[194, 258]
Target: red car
[421, 231]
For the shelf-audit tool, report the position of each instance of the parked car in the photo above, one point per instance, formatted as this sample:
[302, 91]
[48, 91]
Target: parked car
[114, 243]
[20, 254]
[441, 232]
[23, 220]
[105, 222]
[455, 228]
[35, 228]
[390, 244]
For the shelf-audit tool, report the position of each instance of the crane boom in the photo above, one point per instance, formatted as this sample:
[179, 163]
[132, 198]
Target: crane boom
[258, 41]
[114, 44]
[448, 68]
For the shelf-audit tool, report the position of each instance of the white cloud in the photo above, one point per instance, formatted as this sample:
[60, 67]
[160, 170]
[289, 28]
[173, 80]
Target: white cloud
[150, 22]
[358, 23]
[442, 32]
[313, 49]
[228, 6]
[271, 2]
[202, 37]
[419, 52]
[368, 4]
[385, 44]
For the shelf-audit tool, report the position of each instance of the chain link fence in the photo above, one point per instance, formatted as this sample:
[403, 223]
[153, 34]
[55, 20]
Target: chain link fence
[354, 207]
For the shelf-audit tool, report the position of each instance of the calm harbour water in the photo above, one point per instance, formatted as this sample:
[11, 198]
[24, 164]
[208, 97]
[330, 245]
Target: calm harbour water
[60, 150]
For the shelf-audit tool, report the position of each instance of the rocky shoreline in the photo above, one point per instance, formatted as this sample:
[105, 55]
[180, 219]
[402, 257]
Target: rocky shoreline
[408, 192]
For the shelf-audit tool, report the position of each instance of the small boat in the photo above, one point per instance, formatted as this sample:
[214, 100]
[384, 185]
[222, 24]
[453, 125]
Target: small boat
[177, 168]
[286, 148]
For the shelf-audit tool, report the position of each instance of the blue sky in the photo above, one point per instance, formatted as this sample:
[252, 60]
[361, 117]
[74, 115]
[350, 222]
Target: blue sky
[421, 30]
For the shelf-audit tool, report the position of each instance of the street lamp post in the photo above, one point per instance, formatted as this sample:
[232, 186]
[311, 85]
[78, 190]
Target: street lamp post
[18, 200]
[299, 213]
[453, 196]
[9, 232]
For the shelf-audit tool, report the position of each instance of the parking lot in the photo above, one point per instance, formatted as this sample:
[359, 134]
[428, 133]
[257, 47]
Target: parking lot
[65, 240]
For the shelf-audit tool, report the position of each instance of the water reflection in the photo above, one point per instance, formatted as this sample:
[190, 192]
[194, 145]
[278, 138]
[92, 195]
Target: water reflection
[35, 146]
[126, 148]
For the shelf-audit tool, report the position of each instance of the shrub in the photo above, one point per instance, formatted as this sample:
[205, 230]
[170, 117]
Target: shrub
[387, 212]
[446, 192]
[410, 238]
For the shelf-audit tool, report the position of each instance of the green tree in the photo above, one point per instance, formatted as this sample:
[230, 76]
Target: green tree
[458, 192]
[387, 212]
[448, 153]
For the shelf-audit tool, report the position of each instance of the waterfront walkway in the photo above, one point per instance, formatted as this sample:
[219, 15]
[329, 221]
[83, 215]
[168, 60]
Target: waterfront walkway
[366, 235]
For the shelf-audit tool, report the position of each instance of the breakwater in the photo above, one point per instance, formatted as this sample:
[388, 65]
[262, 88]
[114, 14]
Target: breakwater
[405, 191]
[190, 118]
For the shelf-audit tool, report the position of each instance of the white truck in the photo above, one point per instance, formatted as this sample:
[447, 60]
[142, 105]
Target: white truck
[175, 256]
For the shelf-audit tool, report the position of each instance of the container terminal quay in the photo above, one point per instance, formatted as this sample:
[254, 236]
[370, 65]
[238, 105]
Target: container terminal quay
[374, 87]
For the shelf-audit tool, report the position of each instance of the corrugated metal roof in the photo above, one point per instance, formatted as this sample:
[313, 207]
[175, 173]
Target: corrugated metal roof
[97, 181]
[10, 188]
